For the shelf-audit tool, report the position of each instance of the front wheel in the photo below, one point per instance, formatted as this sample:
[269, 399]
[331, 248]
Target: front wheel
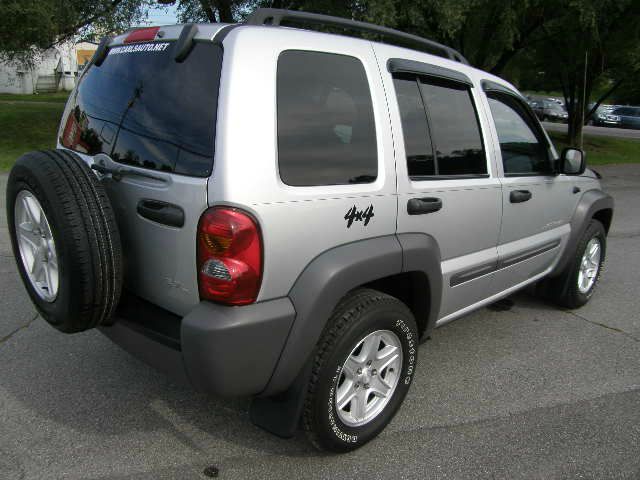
[363, 368]
[581, 279]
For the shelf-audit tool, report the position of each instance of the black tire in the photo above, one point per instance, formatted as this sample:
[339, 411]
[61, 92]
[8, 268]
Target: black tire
[85, 233]
[564, 289]
[360, 313]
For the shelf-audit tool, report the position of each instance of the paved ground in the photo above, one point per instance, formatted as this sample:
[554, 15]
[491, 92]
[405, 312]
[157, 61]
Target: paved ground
[598, 131]
[530, 393]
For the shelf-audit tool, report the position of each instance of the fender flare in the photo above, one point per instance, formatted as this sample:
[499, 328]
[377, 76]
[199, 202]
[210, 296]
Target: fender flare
[591, 202]
[333, 274]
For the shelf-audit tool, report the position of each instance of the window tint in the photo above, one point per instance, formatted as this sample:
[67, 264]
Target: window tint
[454, 128]
[326, 129]
[143, 108]
[417, 142]
[522, 151]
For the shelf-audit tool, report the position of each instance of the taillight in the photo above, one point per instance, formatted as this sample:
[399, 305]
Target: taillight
[229, 256]
[142, 35]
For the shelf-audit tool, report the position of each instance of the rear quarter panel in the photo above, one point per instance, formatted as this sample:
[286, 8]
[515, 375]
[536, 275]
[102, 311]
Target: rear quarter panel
[297, 223]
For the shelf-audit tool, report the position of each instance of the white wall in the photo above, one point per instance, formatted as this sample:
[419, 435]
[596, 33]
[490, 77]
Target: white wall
[20, 79]
[12, 80]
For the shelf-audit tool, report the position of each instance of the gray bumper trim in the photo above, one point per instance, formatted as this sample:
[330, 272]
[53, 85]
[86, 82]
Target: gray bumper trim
[233, 351]
[227, 351]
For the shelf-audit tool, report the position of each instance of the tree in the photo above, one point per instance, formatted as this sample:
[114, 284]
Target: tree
[32, 25]
[594, 42]
[489, 33]
[228, 11]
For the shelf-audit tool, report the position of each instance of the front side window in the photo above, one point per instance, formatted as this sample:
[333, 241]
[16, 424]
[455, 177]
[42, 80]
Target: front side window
[326, 127]
[523, 152]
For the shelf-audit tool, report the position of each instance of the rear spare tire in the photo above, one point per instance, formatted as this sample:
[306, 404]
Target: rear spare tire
[65, 240]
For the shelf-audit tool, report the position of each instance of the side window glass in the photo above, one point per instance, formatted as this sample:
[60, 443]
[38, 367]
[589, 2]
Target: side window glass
[454, 128]
[415, 130]
[440, 128]
[523, 153]
[326, 128]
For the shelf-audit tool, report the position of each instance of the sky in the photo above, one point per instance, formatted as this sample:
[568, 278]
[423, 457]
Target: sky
[162, 15]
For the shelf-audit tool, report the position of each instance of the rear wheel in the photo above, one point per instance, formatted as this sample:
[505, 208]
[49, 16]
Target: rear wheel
[362, 371]
[65, 240]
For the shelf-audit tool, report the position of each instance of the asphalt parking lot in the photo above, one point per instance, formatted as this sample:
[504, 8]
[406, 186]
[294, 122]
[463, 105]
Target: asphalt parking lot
[528, 393]
[597, 131]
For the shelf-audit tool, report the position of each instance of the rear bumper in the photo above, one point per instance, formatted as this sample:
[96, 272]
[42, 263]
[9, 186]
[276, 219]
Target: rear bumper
[227, 351]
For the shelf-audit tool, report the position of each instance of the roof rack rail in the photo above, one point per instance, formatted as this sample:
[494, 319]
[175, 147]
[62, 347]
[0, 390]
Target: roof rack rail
[275, 16]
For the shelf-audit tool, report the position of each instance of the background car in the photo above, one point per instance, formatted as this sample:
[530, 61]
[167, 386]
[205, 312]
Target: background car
[548, 110]
[600, 115]
[624, 117]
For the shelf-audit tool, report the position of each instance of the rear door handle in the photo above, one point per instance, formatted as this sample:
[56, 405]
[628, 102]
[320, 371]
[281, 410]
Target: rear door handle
[161, 212]
[420, 206]
[519, 196]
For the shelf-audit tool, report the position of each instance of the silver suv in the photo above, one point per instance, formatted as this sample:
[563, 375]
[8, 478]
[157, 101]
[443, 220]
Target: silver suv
[285, 214]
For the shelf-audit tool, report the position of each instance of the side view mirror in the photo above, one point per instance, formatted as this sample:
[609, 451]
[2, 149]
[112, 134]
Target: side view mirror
[572, 161]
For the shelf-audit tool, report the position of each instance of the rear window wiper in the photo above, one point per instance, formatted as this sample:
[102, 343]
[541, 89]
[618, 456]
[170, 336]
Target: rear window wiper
[118, 172]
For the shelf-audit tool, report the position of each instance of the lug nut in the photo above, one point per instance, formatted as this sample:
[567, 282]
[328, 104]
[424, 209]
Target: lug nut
[366, 385]
[359, 371]
[369, 363]
[357, 386]
[374, 372]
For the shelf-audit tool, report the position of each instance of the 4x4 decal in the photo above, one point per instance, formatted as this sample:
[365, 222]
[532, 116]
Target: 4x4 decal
[355, 215]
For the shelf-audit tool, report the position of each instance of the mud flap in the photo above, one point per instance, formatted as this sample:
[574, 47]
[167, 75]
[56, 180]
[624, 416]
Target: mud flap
[280, 414]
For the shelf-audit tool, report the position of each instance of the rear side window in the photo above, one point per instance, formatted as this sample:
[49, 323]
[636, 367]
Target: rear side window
[143, 108]
[440, 128]
[454, 128]
[326, 128]
[417, 140]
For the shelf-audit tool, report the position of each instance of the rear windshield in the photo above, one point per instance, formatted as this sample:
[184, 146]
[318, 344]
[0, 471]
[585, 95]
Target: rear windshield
[143, 108]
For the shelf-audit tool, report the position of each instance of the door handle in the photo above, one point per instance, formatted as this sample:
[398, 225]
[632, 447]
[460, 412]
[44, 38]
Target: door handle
[519, 196]
[420, 206]
[161, 212]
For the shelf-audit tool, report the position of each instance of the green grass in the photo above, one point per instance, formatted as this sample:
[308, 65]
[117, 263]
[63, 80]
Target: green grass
[59, 97]
[603, 150]
[27, 126]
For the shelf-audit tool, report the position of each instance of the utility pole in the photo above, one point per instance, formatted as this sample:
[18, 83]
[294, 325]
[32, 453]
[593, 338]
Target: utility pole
[584, 100]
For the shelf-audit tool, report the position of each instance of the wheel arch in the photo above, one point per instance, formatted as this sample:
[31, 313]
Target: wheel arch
[403, 264]
[593, 205]
[604, 216]
[411, 288]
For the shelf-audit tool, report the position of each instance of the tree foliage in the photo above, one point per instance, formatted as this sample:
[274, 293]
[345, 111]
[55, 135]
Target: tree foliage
[30, 25]
[593, 45]
[538, 44]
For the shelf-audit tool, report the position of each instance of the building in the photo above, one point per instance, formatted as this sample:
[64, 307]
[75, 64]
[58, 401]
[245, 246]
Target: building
[56, 69]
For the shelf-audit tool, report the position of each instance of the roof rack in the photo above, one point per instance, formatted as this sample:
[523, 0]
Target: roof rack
[275, 16]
